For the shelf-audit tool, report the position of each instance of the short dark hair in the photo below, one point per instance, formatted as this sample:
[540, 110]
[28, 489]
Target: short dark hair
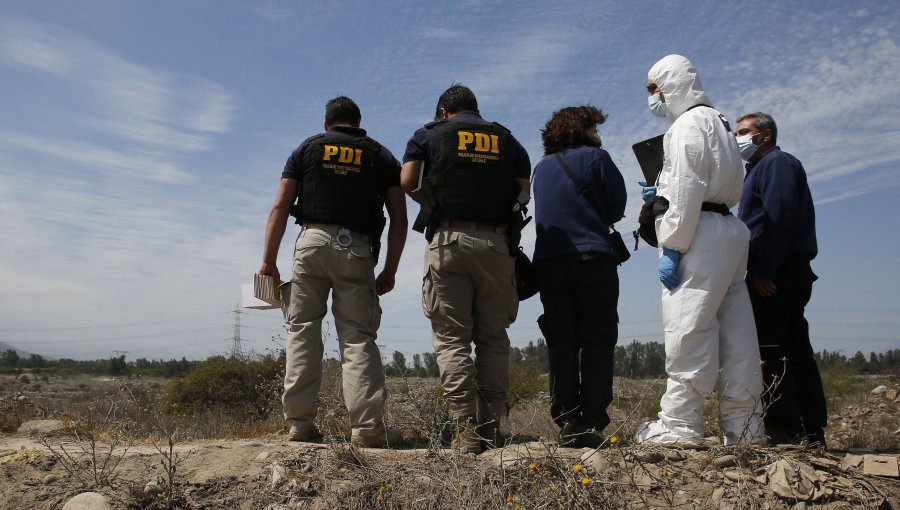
[456, 99]
[342, 109]
[762, 122]
[568, 128]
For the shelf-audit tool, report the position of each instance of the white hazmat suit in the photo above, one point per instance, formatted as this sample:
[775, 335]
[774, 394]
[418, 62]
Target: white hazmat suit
[710, 336]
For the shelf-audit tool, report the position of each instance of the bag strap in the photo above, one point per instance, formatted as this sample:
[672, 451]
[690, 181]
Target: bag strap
[579, 184]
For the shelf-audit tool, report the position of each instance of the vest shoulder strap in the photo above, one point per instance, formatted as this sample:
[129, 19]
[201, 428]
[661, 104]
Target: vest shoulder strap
[313, 138]
[435, 123]
[375, 145]
[504, 128]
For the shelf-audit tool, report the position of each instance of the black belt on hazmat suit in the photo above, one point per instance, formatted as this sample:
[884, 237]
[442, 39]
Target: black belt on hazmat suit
[714, 207]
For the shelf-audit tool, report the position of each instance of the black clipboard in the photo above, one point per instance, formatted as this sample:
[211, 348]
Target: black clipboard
[649, 154]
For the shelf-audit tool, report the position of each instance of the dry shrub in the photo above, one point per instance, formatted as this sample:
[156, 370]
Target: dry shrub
[250, 387]
[14, 412]
[227, 397]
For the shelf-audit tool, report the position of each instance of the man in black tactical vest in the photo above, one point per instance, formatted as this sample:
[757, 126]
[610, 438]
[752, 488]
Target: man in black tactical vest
[341, 180]
[473, 172]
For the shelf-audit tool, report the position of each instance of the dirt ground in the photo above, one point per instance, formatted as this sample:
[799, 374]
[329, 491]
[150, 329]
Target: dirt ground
[45, 464]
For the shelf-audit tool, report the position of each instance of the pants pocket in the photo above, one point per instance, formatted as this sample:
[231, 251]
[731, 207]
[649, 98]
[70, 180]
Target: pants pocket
[376, 310]
[284, 290]
[428, 293]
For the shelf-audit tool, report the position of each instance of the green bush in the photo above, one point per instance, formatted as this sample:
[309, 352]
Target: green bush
[526, 381]
[840, 380]
[250, 387]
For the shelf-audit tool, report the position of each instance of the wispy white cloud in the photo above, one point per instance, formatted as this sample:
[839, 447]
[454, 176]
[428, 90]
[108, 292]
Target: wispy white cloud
[92, 177]
[96, 92]
[831, 104]
[91, 155]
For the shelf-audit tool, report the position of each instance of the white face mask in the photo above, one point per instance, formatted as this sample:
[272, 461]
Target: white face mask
[656, 105]
[748, 148]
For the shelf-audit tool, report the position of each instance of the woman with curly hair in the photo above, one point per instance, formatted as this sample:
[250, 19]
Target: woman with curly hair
[576, 270]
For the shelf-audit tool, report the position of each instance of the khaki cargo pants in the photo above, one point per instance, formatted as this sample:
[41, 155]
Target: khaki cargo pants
[469, 294]
[322, 265]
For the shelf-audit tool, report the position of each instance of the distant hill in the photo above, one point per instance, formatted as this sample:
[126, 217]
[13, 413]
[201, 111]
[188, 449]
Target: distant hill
[22, 354]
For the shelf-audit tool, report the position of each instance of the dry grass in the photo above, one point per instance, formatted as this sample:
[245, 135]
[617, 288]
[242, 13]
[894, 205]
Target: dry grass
[539, 475]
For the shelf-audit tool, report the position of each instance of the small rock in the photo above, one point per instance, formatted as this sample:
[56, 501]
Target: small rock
[41, 427]
[726, 461]
[718, 494]
[799, 506]
[709, 476]
[262, 457]
[88, 501]
[737, 476]
[891, 394]
[675, 455]
[50, 479]
[280, 474]
[879, 390]
[594, 460]
[153, 488]
[648, 457]
[22, 398]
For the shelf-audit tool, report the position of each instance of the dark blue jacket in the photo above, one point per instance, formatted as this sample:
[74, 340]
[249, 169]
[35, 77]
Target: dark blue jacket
[566, 222]
[778, 209]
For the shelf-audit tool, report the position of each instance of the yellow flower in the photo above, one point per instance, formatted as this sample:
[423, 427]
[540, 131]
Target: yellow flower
[612, 440]
[381, 488]
[378, 498]
[585, 481]
[532, 466]
[518, 507]
[387, 486]
[577, 468]
[508, 499]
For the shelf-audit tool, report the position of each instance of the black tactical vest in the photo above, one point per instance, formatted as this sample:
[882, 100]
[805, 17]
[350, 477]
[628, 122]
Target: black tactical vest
[340, 185]
[472, 178]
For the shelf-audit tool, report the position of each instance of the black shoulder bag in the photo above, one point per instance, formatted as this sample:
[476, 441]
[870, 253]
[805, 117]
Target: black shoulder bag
[620, 251]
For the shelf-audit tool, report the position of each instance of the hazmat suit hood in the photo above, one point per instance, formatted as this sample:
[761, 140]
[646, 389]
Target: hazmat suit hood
[679, 82]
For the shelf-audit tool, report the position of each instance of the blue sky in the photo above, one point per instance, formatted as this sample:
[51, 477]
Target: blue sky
[142, 143]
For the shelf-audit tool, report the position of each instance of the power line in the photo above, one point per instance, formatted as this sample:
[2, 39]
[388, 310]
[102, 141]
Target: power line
[112, 339]
[127, 325]
[853, 310]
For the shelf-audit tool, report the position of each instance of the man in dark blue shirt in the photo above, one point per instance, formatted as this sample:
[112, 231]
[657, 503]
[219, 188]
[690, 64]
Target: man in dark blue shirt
[473, 171]
[342, 181]
[778, 209]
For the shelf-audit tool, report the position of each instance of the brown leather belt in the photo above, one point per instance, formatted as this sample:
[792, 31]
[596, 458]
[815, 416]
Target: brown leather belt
[471, 225]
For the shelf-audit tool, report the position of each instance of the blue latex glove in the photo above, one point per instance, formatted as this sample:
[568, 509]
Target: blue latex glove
[647, 192]
[668, 268]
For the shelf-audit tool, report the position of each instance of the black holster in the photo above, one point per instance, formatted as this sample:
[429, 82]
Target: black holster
[376, 239]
